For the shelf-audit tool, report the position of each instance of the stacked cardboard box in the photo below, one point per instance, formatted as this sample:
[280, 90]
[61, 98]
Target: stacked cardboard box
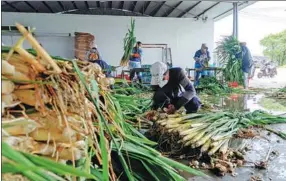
[83, 43]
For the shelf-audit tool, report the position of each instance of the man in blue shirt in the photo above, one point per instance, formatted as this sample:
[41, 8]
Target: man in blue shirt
[201, 58]
[135, 61]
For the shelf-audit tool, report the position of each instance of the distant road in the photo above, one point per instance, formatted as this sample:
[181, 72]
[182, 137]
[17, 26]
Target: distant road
[277, 82]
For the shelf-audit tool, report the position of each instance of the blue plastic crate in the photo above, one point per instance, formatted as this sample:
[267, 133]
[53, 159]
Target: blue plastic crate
[146, 66]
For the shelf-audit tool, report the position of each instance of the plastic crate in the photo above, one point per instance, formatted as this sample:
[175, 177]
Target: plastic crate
[125, 77]
[232, 84]
[146, 79]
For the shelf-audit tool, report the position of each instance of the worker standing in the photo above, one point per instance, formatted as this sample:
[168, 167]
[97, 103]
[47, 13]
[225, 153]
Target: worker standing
[135, 61]
[172, 89]
[247, 64]
[201, 58]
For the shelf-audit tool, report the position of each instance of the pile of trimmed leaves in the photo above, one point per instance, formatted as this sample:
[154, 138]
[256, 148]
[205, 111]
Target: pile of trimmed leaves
[211, 86]
[227, 51]
[134, 100]
[282, 90]
[123, 87]
[272, 104]
[132, 106]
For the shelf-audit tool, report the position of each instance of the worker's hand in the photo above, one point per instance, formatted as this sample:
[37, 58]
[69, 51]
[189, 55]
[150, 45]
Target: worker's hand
[150, 115]
[170, 109]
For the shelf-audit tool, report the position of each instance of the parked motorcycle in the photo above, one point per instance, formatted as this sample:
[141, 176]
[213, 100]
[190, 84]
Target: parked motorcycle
[267, 71]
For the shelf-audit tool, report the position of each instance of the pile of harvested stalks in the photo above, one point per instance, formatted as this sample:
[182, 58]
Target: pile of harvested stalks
[280, 94]
[60, 111]
[208, 135]
[44, 107]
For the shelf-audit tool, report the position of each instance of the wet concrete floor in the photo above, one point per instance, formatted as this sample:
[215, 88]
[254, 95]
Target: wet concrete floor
[259, 146]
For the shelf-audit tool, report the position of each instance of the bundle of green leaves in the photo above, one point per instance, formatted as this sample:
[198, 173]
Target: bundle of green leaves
[210, 85]
[227, 52]
[129, 42]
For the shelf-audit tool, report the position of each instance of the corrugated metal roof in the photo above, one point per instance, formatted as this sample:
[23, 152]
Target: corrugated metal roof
[171, 8]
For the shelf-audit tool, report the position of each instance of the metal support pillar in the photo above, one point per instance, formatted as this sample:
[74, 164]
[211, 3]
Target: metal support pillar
[235, 19]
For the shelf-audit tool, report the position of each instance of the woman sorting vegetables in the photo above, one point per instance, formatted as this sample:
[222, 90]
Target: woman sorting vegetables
[172, 89]
[93, 56]
[201, 58]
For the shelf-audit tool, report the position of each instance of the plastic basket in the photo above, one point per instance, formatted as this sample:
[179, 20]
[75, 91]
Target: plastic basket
[125, 77]
[232, 84]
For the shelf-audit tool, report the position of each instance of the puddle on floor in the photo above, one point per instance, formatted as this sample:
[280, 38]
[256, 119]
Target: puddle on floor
[239, 102]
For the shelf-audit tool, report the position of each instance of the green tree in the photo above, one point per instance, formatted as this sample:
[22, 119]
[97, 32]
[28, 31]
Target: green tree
[275, 47]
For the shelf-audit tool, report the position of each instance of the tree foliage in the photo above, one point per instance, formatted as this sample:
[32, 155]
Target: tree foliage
[275, 47]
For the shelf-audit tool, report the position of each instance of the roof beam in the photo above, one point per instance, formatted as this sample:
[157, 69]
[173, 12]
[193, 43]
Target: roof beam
[189, 9]
[110, 4]
[197, 16]
[50, 9]
[86, 4]
[145, 7]
[74, 5]
[61, 5]
[121, 5]
[226, 11]
[98, 4]
[12, 6]
[156, 10]
[133, 6]
[32, 7]
[172, 9]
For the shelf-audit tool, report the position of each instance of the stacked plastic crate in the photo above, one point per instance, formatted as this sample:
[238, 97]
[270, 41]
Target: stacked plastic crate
[146, 76]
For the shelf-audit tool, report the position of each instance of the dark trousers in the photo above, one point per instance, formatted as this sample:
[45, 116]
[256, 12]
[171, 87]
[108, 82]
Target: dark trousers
[161, 99]
[133, 72]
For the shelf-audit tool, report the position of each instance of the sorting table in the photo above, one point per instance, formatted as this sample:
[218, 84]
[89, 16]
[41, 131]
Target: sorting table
[137, 70]
[215, 69]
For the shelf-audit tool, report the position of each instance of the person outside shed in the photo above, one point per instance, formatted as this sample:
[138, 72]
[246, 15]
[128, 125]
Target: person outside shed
[247, 64]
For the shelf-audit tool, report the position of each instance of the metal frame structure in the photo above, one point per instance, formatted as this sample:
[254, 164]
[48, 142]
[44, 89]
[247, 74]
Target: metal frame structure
[179, 9]
[165, 52]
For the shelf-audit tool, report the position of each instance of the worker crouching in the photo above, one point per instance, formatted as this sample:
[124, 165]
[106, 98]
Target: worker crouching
[172, 89]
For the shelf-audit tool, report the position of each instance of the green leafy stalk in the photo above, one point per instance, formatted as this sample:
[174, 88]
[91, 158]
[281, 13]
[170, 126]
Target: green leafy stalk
[102, 120]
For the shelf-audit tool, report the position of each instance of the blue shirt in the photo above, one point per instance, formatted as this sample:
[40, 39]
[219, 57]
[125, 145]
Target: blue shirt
[198, 54]
[246, 58]
[139, 51]
[105, 67]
